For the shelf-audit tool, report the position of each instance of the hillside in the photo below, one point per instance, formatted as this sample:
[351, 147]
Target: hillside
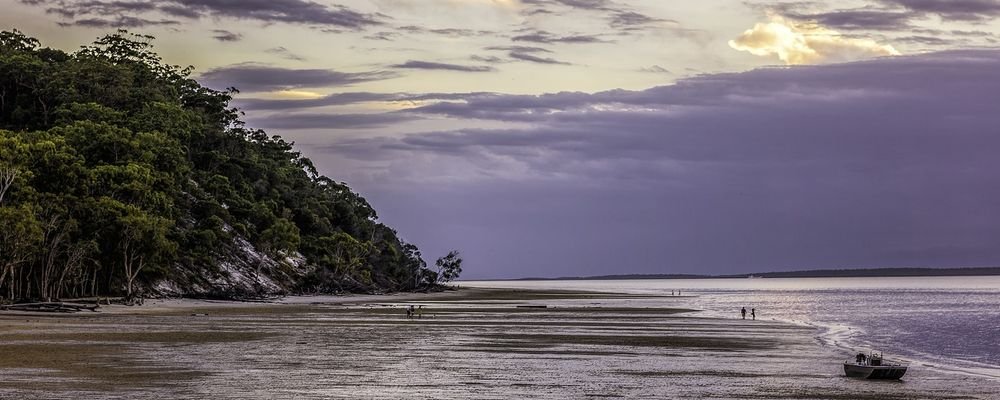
[121, 175]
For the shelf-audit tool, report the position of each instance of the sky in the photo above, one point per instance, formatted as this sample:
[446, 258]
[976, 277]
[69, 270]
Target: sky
[550, 138]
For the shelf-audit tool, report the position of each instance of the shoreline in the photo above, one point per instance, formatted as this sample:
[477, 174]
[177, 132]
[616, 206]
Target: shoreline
[579, 344]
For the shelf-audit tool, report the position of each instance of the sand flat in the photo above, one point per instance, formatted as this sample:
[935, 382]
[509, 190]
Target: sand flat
[472, 343]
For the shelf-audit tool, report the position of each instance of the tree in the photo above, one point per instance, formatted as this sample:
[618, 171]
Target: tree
[111, 160]
[143, 240]
[449, 267]
[19, 241]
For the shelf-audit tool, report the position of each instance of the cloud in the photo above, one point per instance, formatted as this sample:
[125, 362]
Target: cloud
[529, 54]
[427, 65]
[529, 57]
[486, 59]
[631, 20]
[867, 19]
[283, 52]
[593, 5]
[258, 77]
[655, 69]
[963, 10]
[119, 22]
[223, 35]
[520, 49]
[450, 32]
[328, 121]
[799, 43]
[548, 37]
[350, 98]
[126, 13]
[775, 168]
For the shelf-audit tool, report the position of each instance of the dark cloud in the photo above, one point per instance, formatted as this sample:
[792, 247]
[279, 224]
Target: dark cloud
[268, 11]
[655, 69]
[619, 16]
[520, 49]
[336, 99]
[223, 35]
[547, 37]
[528, 54]
[858, 19]
[529, 57]
[631, 20]
[341, 99]
[595, 5]
[779, 168]
[386, 36]
[924, 40]
[257, 77]
[891, 15]
[450, 32]
[328, 121]
[119, 22]
[427, 65]
[179, 11]
[964, 10]
[283, 52]
[486, 59]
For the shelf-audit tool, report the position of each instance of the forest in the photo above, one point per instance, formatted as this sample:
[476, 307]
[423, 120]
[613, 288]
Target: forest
[120, 175]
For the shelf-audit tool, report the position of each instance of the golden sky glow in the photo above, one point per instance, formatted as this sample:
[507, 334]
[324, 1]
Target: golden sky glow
[800, 43]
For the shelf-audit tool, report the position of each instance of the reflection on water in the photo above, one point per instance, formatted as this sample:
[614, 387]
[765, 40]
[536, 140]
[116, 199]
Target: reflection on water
[948, 322]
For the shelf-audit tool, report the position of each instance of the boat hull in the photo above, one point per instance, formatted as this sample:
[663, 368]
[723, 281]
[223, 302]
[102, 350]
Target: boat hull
[874, 371]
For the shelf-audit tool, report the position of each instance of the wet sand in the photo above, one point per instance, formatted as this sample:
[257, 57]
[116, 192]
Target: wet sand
[472, 343]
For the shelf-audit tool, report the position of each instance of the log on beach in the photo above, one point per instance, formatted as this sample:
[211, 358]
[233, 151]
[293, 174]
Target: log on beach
[50, 307]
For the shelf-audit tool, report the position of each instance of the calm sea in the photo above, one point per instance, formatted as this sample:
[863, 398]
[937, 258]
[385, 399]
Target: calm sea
[949, 323]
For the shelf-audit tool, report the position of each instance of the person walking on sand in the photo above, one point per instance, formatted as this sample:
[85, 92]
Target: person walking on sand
[420, 311]
[409, 311]
[743, 312]
[753, 313]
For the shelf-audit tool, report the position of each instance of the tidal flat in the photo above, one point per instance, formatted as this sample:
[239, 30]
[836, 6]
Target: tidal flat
[471, 343]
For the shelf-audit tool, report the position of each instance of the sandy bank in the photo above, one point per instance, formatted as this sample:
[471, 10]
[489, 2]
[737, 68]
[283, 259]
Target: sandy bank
[475, 343]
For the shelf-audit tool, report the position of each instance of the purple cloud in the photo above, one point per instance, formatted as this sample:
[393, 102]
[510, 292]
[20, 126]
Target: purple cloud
[885, 162]
[258, 77]
[125, 13]
[427, 65]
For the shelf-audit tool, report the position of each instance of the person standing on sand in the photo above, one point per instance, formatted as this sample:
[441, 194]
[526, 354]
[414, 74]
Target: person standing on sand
[420, 311]
[753, 313]
[744, 312]
[409, 311]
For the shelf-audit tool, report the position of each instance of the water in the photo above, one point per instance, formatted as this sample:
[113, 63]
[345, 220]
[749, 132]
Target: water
[947, 323]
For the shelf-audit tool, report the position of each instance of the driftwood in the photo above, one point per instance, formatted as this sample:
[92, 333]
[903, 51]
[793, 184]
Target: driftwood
[50, 307]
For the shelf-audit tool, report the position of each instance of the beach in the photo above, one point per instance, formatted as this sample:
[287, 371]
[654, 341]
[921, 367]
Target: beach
[469, 343]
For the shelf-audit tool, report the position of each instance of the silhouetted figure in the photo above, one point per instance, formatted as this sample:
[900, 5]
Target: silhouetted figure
[743, 312]
[753, 313]
[409, 311]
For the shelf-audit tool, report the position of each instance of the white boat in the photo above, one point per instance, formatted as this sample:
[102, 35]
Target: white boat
[873, 366]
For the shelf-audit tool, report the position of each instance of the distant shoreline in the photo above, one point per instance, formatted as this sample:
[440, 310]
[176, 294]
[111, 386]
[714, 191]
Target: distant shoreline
[819, 273]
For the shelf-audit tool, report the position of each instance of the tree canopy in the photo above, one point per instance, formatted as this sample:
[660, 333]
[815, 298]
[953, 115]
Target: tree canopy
[122, 175]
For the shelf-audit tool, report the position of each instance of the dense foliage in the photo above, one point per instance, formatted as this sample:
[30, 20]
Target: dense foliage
[121, 175]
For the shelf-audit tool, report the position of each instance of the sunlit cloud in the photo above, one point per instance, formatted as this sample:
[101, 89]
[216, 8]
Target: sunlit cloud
[297, 94]
[805, 43]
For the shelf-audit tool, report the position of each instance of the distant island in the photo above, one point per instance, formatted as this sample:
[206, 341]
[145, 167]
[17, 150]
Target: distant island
[815, 273]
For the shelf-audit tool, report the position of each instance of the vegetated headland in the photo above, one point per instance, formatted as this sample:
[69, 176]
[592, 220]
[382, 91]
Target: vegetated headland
[120, 175]
[816, 273]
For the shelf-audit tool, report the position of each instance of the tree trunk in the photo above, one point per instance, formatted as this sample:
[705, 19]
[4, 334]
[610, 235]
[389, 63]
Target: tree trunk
[7, 176]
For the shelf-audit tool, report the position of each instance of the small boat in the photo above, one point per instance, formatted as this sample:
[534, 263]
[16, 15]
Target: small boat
[873, 366]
